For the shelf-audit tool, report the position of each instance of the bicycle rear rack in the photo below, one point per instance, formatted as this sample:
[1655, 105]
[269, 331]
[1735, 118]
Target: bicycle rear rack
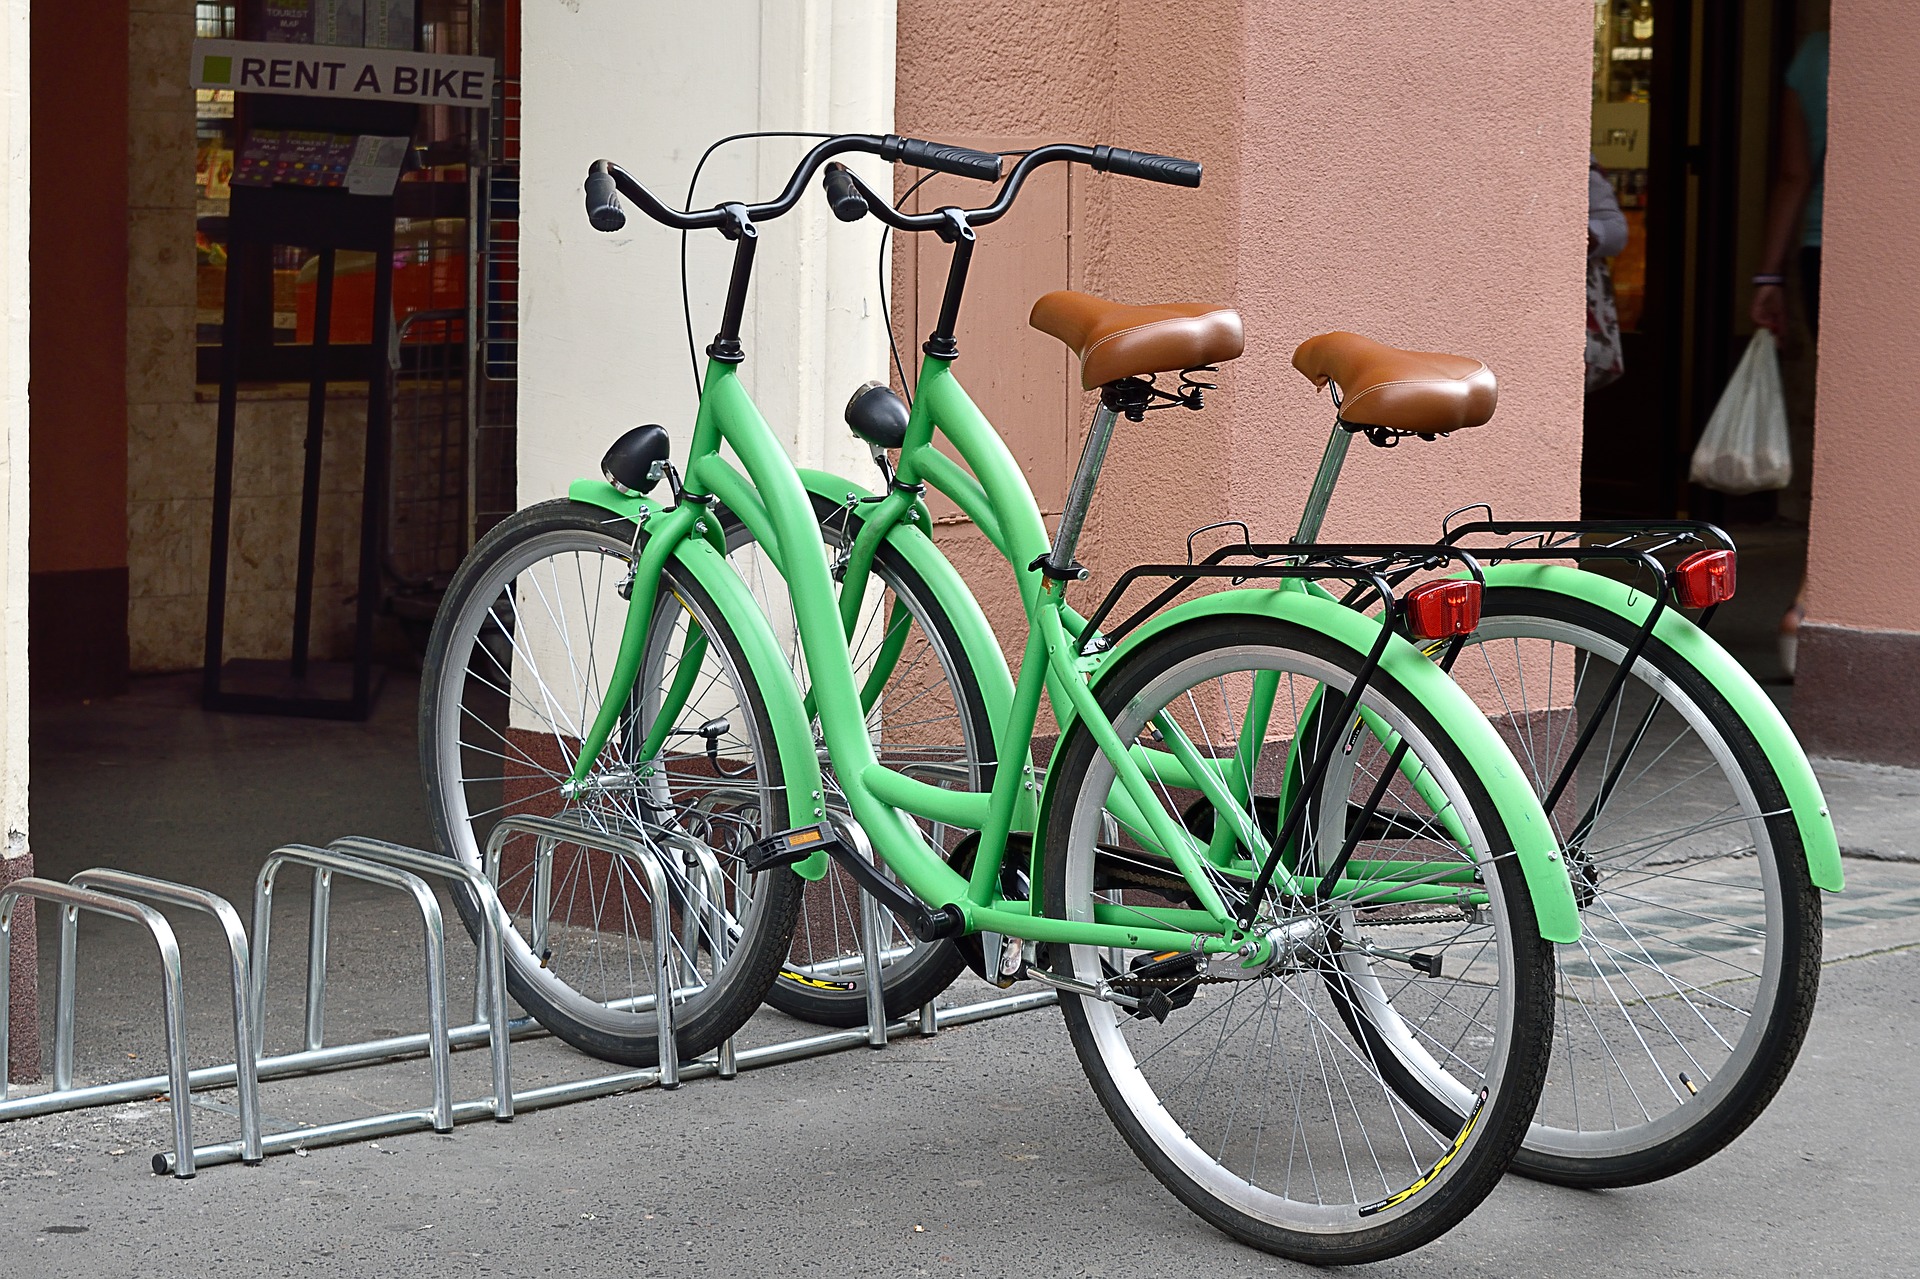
[407, 870]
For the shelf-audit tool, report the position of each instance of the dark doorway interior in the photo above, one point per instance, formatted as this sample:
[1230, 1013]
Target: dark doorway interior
[1686, 96]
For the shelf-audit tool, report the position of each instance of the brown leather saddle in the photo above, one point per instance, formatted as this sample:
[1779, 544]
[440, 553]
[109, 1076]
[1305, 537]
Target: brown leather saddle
[1425, 392]
[1116, 341]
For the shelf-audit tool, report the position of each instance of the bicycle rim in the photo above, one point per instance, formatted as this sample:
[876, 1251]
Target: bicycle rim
[515, 677]
[1256, 1103]
[1684, 1002]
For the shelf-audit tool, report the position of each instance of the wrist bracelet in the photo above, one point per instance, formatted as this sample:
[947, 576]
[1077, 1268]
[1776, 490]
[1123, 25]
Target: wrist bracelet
[1765, 279]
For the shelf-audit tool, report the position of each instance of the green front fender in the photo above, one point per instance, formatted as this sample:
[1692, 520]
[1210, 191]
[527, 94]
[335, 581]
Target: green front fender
[980, 647]
[1755, 709]
[1505, 782]
[793, 734]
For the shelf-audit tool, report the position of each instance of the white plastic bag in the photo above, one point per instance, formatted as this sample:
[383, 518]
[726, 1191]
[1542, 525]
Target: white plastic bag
[1744, 448]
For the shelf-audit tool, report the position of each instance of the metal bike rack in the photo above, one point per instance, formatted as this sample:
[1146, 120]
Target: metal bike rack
[548, 834]
[325, 864]
[700, 893]
[490, 979]
[127, 884]
[72, 901]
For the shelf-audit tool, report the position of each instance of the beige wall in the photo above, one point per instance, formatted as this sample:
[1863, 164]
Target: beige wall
[602, 347]
[1359, 175]
[1856, 695]
[16, 857]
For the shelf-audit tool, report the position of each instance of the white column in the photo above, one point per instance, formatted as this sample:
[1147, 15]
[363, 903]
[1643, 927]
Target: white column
[817, 329]
[14, 93]
[602, 341]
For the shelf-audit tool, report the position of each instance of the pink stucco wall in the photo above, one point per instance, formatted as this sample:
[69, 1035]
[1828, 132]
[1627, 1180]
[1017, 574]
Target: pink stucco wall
[1367, 169]
[1866, 479]
[1424, 183]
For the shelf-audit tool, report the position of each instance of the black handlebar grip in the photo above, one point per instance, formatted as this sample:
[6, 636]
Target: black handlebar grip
[1154, 168]
[603, 201]
[945, 158]
[845, 198]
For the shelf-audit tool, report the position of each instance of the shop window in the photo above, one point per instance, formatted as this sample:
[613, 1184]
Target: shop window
[238, 145]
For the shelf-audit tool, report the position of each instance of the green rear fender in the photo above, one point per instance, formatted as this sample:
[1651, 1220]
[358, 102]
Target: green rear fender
[1506, 783]
[1755, 709]
[793, 735]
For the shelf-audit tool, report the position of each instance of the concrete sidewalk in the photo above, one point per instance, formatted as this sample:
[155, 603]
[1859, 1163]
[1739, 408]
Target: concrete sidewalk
[853, 1164]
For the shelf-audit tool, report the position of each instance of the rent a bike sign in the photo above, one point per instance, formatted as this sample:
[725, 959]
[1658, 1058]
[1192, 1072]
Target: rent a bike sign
[324, 71]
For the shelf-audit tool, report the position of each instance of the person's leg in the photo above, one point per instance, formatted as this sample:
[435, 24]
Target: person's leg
[1810, 285]
[1810, 303]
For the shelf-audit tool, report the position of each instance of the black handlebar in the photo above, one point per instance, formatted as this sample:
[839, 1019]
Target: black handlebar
[607, 181]
[851, 198]
[1133, 164]
[1142, 164]
[603, 203]
[842, 195]
[946, 158]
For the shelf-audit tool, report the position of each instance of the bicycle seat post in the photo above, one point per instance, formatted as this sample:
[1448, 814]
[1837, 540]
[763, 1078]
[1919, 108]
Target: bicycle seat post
[1128, 396]
[1315, 511]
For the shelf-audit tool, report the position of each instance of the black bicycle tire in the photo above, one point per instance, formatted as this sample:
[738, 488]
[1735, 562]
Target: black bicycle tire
[1506, 1117]
[704, 1022]
[1787, 1025]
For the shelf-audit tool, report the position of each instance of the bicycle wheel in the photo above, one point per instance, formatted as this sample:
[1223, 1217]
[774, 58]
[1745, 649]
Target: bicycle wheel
[1252, 1101]
[1686, 999]
[514, 675]
[928, 718]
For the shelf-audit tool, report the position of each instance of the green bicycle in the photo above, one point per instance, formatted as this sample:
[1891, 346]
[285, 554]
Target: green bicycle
[1694, 824]
[1327, 1040]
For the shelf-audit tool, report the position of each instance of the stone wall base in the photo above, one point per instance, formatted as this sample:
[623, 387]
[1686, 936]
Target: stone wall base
[1857, 694]
[23, 1043]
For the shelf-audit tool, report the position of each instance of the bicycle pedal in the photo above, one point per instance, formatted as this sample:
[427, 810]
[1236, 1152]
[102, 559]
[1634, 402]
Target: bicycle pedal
[789, 847]
[1161, 983]
[1011, 962]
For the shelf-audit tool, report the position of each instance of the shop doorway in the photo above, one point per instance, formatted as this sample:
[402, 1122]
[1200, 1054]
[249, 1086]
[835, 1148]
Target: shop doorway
[1686, 96]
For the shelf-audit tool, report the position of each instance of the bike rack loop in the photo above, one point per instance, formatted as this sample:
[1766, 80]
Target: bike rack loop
[711, 906]
[73, 900]
[490, 982]
[325, 864]
[166, 892]
[548, 834]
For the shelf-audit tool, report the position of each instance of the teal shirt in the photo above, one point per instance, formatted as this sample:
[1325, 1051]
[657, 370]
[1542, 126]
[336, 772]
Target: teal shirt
[1807, 77]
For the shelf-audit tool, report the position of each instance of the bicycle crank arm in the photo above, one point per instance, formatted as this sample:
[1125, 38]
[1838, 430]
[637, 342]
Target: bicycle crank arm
[928, 924]
[845, 843]
[1101, 990]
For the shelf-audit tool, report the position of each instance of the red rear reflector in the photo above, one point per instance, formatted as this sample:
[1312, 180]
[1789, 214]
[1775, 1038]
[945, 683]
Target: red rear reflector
[1704, 578]
[1443, 610]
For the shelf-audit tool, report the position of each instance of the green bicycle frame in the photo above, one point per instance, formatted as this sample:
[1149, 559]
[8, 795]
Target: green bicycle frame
[771, 499]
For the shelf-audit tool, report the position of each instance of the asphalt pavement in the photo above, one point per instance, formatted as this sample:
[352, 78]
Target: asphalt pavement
[980, 1151]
